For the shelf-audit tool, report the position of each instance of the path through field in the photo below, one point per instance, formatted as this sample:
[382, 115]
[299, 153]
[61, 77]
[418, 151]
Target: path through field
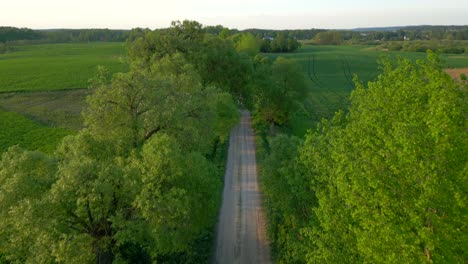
[241, 236]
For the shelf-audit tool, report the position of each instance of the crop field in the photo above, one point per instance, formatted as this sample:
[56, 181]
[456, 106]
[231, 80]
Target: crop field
[57, 66]
[29, 76]
[32, 114]
[16, 129]
[55, 108]
[330, 70]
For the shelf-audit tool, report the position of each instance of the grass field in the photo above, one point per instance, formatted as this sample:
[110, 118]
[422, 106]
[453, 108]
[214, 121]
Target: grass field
[16, 129]
[54, 108]
[57, 66]
[330, 70]
[40, 69]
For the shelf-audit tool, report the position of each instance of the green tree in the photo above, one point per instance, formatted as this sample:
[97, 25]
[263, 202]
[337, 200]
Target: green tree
[287, 199]
[214, 58]
[329, 38]
[220, 65]
[280, 43]
[165, 97]
[249, 44]
[279, 90]
[24, 179]
[93, 205]
[135, 185]
[390, 176]
[225, 33]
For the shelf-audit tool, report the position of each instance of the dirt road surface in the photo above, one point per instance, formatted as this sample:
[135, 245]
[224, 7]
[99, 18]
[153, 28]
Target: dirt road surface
[241, 234]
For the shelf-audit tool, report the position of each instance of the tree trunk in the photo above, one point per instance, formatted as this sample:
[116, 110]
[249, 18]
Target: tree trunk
[104, 257]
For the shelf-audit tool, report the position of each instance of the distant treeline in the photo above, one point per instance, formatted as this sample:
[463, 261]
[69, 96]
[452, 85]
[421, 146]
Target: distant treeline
[447, 39]
[444, 46]
[246, 41]
[267, 40]
[299, 34]
[18, 35]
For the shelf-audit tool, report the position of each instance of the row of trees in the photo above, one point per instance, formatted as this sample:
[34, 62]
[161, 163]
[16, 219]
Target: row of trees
[300, 34]
[384, 182]
[451, 47]
[281, 43]
[277, 42]
[421, 33]
[141, 183]
[26, 35]
[247, 42]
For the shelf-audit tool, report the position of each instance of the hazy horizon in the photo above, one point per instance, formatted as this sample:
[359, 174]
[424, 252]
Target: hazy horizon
[242, 14]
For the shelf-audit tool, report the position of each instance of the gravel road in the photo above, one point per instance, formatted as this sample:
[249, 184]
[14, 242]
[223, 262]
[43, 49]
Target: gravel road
[241, 234]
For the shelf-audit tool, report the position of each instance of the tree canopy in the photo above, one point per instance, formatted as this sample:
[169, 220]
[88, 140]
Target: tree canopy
[139, 184]
[279, 89]
[386, 181]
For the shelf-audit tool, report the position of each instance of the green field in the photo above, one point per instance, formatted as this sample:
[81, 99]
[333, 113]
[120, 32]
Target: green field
[16, 129]
[330, 70]
[39, 69]
[33, 116]
[57, 66]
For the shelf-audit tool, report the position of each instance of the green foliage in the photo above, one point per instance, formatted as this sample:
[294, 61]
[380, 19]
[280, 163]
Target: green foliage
[24, 178]
[16, 129]
[463, 77]
[56, 66]
[99, 204]
[220, 65]
[449, 47]
[282, 43]
[329, 38]
[165, 97]
[214, 58]
[249, 44]
[390, 177]
[330, 70]
[279, 89]
[140, 184]
[287, 199]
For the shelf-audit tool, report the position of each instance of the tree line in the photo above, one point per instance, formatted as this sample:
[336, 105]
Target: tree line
[381, 182]
[26, 35]
[142, 181]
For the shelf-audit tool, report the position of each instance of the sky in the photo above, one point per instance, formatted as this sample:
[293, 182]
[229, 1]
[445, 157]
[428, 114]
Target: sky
[240, 14]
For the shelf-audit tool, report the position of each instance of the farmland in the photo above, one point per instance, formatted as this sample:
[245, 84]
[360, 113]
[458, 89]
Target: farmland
[30, 74]
[57, 66]
[140, 180]
[18, 130]
[39, 99]
[330, 71]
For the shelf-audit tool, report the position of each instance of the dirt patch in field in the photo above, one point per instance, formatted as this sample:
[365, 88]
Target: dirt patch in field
[456, 73]
[53, 108]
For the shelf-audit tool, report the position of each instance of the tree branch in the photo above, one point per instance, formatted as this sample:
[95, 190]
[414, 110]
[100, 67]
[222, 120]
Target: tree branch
[152, 132]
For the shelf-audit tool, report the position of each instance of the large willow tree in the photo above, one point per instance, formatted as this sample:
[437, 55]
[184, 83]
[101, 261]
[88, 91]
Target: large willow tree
[135, 185]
